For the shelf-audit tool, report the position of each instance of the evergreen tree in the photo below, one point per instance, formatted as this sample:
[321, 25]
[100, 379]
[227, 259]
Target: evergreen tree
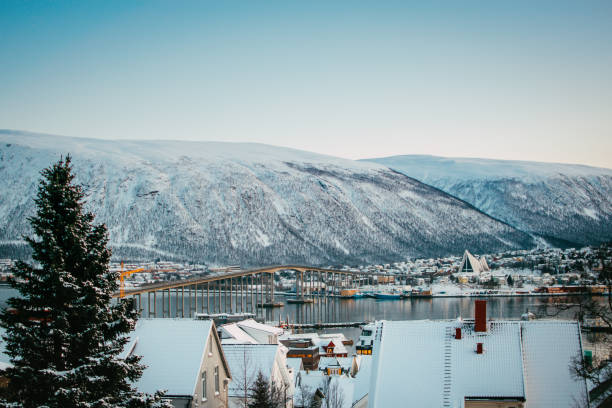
[260, 393]
[63, 334]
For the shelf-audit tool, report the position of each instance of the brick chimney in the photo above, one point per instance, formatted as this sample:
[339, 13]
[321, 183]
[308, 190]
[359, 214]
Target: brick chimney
[480, 320]
[458, 333]
[479, 348]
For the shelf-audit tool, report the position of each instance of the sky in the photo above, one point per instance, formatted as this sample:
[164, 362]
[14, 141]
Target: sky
[524, 80]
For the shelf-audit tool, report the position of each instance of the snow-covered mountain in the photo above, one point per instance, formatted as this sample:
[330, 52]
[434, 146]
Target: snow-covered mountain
[562, 202]
[248, 204]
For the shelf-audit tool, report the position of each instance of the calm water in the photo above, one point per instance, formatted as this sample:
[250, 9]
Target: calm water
[347, 310]
[343, 310]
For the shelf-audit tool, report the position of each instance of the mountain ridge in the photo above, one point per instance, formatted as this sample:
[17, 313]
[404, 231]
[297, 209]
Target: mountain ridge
[567, 204]
[248, 204]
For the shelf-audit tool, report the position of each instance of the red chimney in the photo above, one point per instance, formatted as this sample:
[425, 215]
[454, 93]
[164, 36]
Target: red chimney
[481, 316]
[458, 333]
[478, 348]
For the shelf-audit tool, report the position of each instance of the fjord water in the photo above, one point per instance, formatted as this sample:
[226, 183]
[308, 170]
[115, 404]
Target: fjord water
[333, 310]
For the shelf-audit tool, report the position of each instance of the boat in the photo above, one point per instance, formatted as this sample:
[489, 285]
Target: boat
[421, 293]
[350, 294]
[387, 295]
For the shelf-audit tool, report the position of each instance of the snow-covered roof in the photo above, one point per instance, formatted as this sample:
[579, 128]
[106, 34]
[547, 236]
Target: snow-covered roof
[298, 336]
[549, 347]
[421, 361]
[311, 379]
[249, 358]
[345, 362]
[345, 386]
[233, 331]
[252, 324]
[339, 348]
[294, 363]
[333, 336]
[172, 350]
[362, 378]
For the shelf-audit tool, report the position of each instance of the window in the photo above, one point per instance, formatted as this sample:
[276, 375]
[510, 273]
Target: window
[210, 342]
[203, 385]
[216, 379]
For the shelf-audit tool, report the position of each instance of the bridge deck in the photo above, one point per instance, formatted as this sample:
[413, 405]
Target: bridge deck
[153, 287]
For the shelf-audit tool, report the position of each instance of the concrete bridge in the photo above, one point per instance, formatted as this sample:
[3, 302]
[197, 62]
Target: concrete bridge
[244, 291]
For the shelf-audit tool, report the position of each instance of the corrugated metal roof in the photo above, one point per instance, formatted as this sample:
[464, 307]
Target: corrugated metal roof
[422, 362]
[548, 349]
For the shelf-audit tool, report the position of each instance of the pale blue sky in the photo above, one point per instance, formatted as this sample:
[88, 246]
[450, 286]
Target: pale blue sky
[529, 80]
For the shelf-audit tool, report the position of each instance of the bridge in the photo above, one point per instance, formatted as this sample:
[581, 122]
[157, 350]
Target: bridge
[244, 291]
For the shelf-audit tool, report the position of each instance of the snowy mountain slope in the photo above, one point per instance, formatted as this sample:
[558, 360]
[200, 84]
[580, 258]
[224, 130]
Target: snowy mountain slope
[562, 202]
[248, 204]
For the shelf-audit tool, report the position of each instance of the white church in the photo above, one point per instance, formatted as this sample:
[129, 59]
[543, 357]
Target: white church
[471, 264]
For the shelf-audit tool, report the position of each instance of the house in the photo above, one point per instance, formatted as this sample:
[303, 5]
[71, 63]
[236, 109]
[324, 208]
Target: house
[262, 333]
[311, 346]
[308, 386]
[339, 365]
[232, 333]
[337, 390]
[476, 363]
[247, 360]
[305, 350]
[331, 349]
[184, 357]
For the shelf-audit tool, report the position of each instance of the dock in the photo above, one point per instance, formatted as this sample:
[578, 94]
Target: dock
[323, 325]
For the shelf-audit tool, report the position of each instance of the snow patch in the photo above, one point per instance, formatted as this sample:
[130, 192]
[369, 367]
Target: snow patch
[589, 212]
[340, 246]
[262, 238]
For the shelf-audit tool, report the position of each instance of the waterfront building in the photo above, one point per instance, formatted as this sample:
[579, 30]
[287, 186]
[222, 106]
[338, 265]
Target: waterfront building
[184, 357]
[476, 363]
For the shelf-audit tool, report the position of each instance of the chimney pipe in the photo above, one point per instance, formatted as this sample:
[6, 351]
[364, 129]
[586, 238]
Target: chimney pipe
[458, 333]
[478, 348]
[480, 323]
